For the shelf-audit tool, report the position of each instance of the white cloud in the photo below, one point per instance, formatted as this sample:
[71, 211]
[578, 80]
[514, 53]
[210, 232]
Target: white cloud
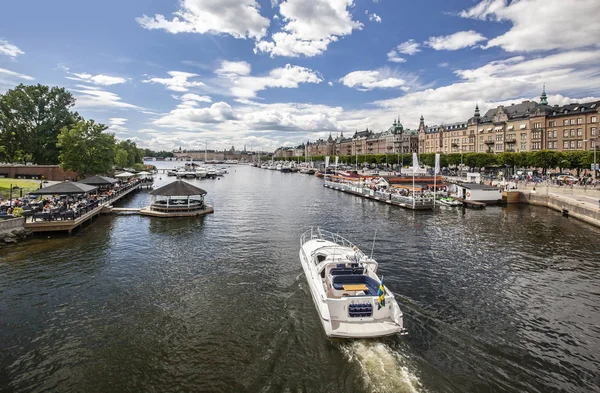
[100, 79]
[95, 97]
[443, 64]
[502, 82]
[368, 80]
[233, 68]
[195, 97]
[190, 117]
[238, 18]
[330, 83]
[10, 50]
[541, 24]
[117, 125]
[394, 58]
[459, 40]
[409, 47]
[311, 25]
[373, 17]
[289, 77]
[178, 81]
[10, 73]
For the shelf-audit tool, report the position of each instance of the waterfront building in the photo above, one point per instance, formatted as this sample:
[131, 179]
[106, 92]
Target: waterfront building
[394, 140]
[525, 127]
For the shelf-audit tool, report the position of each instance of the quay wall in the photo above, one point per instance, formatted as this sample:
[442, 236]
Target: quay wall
[576, 209]
[49, 172]
[11, 224]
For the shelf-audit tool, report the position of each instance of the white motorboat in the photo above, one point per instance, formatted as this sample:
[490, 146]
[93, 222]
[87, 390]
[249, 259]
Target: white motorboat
[346, 289]
[211, 172]
[272, 167]
[221, 171]
[201, 172]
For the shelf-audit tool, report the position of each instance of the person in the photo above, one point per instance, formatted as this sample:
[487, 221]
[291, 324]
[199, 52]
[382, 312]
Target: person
[356, 256]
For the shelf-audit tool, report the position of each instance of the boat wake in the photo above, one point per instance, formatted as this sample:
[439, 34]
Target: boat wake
[383, 369]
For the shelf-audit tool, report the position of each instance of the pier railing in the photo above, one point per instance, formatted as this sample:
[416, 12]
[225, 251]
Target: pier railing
[364, 189]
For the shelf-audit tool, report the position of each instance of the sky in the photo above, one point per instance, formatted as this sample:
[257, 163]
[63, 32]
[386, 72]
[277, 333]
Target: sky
[269, 73]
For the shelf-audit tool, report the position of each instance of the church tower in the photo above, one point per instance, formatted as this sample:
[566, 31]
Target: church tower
[544, 97]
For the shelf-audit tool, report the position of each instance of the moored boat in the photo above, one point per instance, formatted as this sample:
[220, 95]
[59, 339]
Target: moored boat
[351, 300]
[450, 202]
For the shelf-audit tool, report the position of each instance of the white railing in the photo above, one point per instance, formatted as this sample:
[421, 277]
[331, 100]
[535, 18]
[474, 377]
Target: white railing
[318, 233]
[361, 189]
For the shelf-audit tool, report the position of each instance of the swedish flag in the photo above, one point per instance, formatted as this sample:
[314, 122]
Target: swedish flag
[381, 295]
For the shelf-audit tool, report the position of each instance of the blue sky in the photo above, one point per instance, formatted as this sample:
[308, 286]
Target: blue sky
[266, 73]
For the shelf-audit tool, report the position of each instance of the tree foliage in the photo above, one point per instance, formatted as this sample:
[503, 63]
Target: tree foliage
[86, 148]
[31, 118]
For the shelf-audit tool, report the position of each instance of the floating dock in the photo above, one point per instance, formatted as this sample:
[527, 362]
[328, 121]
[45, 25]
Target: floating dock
[403, 202]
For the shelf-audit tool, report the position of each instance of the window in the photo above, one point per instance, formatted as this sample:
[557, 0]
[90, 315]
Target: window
[523, 146]
[593, 119]
[579, 120]
[579, 132]
[579, 144]
[572, 144]
[549, 134]
[566, 133]
[572, 121]
[593, 131]
[523, 136]
[537, 125]
[480, 147]
[555, 134]
[552, 123]
[593, 144]
[499, 146]
[555, 145]
[481, 137]
[499, 137]
[566, 122]
[572, 132]
[565, 145]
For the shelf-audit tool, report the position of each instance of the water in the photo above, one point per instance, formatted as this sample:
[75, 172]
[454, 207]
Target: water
[499, 300]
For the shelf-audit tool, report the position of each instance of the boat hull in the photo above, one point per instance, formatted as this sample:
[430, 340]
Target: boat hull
[336, 328]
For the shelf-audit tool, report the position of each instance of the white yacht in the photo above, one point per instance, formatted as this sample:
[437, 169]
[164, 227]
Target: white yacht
[346, 289]
[201, 172]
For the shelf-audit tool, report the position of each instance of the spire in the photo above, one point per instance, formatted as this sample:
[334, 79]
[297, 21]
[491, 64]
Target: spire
[476, 111]
[394, 122]
[544, 97]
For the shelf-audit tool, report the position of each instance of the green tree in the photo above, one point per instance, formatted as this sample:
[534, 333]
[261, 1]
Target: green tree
[121, 157]
[86, 148]
[31, 118]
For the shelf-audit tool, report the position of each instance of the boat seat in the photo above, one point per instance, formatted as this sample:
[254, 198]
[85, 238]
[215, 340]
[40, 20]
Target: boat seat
[339, 271]
[339, 281]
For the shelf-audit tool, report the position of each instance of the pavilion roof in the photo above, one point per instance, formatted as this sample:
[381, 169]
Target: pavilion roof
[178, 188]
[65, 188]
[99, 181]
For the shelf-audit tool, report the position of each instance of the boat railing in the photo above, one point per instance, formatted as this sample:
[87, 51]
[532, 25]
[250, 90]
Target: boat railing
[322, 234]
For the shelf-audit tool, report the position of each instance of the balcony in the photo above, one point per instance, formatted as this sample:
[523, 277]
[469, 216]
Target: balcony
[489, 142]
[510, 140]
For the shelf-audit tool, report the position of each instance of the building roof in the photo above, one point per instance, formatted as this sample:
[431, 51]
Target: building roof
[574, 108]
[477, 186]
[65, 188]
[99, 181]
[178, 188]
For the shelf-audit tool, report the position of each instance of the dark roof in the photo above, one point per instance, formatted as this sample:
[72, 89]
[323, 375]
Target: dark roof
[522, 110]
[99, 181]
[574, 108]
[66, 187]
[178, 188]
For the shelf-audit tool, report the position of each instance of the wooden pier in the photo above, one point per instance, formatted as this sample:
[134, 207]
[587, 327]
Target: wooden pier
[405, 205]
[68, 225]
[471, 204]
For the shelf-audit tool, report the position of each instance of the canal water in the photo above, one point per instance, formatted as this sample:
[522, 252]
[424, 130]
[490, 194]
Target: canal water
[498, 300]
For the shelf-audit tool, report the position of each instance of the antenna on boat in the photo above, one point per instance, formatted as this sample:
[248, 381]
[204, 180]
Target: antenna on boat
[373, 246]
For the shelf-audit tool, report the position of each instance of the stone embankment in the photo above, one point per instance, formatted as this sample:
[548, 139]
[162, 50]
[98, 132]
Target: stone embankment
[12, 231]
[582, 207]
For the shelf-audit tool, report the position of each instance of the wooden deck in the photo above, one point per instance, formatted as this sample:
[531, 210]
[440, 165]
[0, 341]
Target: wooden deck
[70, 225]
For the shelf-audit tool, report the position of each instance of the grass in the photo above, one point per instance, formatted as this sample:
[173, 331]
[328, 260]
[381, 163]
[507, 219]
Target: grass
[27, 185]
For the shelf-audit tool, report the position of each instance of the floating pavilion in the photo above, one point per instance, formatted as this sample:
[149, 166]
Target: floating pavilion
[177, 199]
